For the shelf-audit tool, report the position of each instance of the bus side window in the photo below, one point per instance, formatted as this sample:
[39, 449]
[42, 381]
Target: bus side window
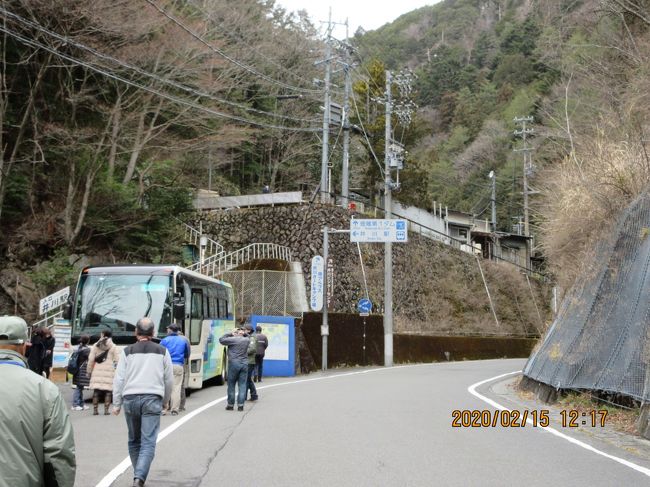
[196, 316]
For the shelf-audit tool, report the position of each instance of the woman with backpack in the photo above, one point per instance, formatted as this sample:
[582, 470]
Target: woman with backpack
[101, 367]
[80, 377]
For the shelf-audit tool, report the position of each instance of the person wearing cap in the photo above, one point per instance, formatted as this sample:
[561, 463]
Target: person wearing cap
[179, 351]
[262, 345]
[252, 349]
[37, 438]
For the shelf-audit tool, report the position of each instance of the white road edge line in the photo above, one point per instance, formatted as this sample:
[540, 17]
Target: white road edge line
[112, 476]
[472, 390]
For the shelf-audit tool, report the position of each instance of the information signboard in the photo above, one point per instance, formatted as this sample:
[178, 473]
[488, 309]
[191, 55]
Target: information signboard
[317, 283]
[53, 301]
[376, 230]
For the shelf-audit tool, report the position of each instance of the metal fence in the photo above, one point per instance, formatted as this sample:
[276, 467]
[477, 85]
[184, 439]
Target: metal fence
[600, 339]
[274, 293]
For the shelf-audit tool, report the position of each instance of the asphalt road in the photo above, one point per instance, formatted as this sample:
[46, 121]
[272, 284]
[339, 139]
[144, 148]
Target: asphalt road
[354, 427]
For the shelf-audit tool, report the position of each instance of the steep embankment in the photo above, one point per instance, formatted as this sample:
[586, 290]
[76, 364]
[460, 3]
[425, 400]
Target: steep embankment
[437, 289]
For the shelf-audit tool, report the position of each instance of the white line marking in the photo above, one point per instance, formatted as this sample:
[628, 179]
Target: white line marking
[112, 476]
[472, 390]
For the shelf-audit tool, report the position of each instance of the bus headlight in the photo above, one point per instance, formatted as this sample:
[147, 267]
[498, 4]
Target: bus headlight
[195, 366]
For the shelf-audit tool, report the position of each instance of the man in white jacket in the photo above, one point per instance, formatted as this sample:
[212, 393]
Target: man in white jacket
[143, 383]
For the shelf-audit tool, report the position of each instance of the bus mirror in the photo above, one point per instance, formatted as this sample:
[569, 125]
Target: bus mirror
[179, 307]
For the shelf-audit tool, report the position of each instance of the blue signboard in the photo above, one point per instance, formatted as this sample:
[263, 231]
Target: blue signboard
[364, 306]
[279, 358]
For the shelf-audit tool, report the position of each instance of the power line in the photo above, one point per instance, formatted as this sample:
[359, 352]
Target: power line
[226, 56]
[365, 134]
[35, 44]
[155, 77]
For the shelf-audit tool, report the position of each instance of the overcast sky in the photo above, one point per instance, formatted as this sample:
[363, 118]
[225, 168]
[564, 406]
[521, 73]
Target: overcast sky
[369, 14]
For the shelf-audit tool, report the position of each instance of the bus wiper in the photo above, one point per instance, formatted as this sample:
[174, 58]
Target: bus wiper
[146, 313]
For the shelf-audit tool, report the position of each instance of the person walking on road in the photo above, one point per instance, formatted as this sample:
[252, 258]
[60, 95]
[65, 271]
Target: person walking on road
[237, 343]
[37, 438]
[102, 361]
[143, 382]
[252, 350]
[81, 379]
[262, 345]
[186, 373]
[179, 351]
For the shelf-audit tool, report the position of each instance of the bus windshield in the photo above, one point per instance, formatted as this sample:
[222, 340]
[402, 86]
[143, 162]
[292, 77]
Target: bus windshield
[118, 301]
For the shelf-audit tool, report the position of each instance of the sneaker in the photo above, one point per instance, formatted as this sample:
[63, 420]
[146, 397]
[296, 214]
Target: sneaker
[77, 408]
[164, 412]
[85, 407]
[174, 413]
[254, 398]
[229, 407]
[240, 408]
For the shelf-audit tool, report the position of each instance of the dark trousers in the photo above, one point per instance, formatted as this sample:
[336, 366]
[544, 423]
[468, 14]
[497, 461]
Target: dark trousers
[250, 385]
[259, 366]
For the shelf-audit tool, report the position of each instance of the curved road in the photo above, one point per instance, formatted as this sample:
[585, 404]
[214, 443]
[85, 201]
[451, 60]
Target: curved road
[355, 427]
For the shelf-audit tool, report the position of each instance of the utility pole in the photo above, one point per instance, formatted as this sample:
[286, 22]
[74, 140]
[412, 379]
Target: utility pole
[345, 181]
[523, 133]
[325, 329]
[324, 183]
[493, 177]
[388, 251]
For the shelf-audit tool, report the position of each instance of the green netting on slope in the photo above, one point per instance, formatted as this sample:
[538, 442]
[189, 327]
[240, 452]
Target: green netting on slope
[600, 339]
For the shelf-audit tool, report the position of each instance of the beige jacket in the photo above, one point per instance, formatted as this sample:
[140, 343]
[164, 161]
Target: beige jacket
[101, 375]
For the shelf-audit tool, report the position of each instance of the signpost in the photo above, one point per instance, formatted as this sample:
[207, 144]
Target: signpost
[364, 306]
[53, 301]
[376, 230]
[317, 282]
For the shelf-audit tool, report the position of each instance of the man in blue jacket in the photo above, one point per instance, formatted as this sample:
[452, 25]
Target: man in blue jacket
[179, 351]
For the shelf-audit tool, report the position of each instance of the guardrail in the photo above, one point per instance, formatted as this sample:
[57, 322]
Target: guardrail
[193, 237]
[218, 264]
[46, 321]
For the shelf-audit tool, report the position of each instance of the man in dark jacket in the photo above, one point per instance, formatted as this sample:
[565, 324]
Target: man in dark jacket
[262, 345]
[37, 438]
[237, 343]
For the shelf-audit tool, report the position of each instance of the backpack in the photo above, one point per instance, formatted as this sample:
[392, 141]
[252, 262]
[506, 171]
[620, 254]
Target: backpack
[73, 363]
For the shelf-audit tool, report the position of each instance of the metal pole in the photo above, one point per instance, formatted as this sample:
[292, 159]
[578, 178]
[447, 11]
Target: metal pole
[345, 190]
[494, 201]
[325, 329]
[324, 185]
[388, 252]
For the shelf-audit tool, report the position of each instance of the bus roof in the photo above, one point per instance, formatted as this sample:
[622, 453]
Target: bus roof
[157, 269]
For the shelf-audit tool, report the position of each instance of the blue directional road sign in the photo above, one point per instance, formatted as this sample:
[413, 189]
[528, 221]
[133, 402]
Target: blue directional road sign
[364, 306]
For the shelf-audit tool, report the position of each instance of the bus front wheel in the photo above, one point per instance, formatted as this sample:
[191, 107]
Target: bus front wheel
[223, 377]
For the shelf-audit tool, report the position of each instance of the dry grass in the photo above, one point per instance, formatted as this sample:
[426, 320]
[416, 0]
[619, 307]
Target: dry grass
[619, 418]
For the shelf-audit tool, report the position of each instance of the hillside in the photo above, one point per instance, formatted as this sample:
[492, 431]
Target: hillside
[578, 68]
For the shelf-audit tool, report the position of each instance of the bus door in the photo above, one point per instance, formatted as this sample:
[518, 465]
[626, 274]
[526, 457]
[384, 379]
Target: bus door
[198, 339]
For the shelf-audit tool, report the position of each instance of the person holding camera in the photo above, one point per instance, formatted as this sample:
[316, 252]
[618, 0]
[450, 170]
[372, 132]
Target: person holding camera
[237, 342]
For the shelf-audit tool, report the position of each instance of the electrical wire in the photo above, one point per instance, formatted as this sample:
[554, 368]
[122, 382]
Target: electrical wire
[363, 129]
[234, 118]
[226, 56]
[155, 77]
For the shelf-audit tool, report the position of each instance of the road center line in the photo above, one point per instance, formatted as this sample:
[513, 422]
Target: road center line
[126, 463]
[472, 390]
